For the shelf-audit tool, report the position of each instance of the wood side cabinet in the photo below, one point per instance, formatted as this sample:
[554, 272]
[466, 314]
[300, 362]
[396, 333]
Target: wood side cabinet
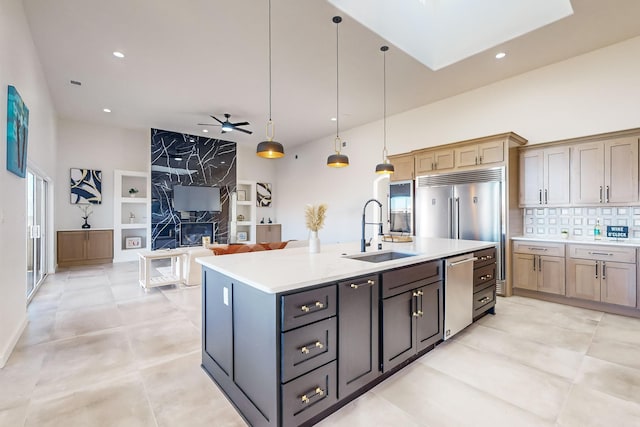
[84, 247]
[268, 233]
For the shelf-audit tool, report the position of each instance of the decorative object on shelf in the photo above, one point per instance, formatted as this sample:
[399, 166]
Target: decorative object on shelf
[17, 133]
[263, 194]
[240, 217]
[86, 210]
[132, 218]
[133, 192]
[314, 218]
[564, 234]
[206, 240]
[241, 195]
[270, 222]
[262, 220]
[242, 236]
[337, 160]
[385, 167]
[132, 242]
[270, 149]
[86, 186]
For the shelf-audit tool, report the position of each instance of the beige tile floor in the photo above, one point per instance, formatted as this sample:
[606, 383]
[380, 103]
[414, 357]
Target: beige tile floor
[100, 351]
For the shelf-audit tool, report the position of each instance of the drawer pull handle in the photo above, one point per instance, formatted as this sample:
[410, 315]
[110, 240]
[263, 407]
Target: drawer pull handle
[307, 309]
[485, 299]
[601, 253]
[369, 283]
[487, 277]
[538, 249]
[414, 314]
[306, 398]
[305, 349]
[420, 313]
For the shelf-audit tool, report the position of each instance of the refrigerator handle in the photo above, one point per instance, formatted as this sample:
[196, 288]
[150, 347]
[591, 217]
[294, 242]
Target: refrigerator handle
[450, 218]
[456, 234]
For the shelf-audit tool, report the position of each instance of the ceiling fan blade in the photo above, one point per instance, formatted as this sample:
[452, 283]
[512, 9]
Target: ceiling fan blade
[240, 124]
[208, 124]
[244, 130]
[217, 119]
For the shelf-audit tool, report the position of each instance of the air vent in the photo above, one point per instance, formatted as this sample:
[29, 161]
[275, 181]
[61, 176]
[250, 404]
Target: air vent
[467, 177]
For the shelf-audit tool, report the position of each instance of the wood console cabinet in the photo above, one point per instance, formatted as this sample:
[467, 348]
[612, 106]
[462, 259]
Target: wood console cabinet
[84, 247]
[268, 233]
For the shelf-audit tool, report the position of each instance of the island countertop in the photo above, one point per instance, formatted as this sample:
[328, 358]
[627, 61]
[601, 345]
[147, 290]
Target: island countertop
[291, 269]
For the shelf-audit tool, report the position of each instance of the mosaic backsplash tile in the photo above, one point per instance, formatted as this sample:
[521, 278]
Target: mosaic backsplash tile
[579, 222]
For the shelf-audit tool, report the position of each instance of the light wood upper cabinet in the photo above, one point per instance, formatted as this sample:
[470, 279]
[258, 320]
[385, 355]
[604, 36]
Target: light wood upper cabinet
[430, 161]
[544, 177]
[403, 165]
[480, 154]
[605, 172]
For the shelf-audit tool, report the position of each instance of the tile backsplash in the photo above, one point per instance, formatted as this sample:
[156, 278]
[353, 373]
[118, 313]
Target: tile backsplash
[579, 222]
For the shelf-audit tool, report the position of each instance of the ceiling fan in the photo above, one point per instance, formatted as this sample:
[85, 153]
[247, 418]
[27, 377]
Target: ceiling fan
[227, 126]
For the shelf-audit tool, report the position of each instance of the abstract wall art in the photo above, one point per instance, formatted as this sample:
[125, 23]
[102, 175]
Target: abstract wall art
[86, 186]
[17, 133]
[263, 194]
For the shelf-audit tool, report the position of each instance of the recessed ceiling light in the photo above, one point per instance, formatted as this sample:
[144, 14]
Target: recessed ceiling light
[205, 130]
[500, 55]
[118, 54]
[106, 110]
[333, 119]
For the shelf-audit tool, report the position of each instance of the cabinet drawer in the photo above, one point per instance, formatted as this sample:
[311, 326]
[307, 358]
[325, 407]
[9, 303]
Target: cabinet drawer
[309, 306]
[604, 253]
[309, 395]
[483, 276]
[538, 248]
[306, 348]
[485, 256]
[483, 300]
[403, 279]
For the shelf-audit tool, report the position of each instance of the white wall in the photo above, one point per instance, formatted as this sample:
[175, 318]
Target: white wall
[20, 68]
[593, 93]
[91, 146]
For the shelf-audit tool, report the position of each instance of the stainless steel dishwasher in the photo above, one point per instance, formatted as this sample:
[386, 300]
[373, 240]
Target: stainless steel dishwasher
[458, 293]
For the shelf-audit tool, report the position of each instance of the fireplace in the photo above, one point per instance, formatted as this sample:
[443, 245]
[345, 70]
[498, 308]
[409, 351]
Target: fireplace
[191, 233]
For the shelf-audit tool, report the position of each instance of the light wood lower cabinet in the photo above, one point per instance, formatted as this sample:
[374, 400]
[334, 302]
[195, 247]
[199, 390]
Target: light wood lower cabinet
[85, 247]
[537, 272]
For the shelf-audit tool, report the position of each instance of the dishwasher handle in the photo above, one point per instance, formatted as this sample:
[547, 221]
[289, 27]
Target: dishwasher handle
[453, 264]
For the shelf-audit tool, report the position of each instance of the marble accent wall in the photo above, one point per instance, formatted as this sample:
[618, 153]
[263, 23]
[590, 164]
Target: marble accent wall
[579, 222]
[182, 159]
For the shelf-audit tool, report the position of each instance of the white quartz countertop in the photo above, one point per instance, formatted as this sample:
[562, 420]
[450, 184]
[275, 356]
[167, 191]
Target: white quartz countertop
[295, 268]
[586, 241]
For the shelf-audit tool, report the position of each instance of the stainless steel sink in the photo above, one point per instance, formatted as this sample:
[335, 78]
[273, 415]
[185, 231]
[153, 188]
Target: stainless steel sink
[380, 256]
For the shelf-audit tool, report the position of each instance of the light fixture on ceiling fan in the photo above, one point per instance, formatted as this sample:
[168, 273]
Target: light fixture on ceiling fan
[227, 126]
[385, 167]
[337, 160]
[270, 149]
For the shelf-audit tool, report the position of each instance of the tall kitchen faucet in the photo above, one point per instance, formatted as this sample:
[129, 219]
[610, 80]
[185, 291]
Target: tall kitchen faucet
[363, 243]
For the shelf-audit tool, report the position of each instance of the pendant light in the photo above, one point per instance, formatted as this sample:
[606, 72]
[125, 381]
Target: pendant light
[385, 167]
[270, 149]
[337, 160]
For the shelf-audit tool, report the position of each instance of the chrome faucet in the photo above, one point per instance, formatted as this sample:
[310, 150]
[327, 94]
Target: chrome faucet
[363, 243]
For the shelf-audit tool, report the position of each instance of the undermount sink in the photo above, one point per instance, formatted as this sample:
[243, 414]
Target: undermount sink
[380, 256]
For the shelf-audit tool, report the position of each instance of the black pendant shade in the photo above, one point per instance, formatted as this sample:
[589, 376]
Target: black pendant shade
[383, 168]
[337, 161]
[270, 150]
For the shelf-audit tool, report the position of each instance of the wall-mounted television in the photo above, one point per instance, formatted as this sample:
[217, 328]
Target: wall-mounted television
[196, 198]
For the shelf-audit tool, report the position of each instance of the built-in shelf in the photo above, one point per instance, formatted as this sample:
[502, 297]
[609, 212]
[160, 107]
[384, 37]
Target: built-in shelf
[243, 231]
[126, 206]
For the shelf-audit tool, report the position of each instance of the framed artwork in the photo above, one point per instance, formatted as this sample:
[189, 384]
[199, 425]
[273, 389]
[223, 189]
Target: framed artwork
[242, 236]
[132, 242]
[86, 186]
[242, 195]
[17, 133]
[263, 194]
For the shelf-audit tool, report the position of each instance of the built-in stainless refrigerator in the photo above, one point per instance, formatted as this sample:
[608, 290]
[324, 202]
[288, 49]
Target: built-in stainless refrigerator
[463, 205]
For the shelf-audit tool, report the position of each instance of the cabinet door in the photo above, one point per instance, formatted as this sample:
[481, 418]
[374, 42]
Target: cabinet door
[491, 152]
[467, 156]
[358, 334]
[444, 159]
[621, 170]
[618, 283]
[430, 321]
[556, 176]
[403, 167]
[425, 162]
[551, 274]
[531, 177]
[99, 244]
[525, 274]
[217, 320]
[71, 246]
[583, 279]
[398, 330]
[268, 233]
[587, 173]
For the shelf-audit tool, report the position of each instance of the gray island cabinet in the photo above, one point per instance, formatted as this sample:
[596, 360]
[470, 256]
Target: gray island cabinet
[288, 351]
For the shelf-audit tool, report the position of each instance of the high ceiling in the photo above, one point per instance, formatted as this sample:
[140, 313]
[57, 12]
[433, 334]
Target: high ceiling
[191, 58]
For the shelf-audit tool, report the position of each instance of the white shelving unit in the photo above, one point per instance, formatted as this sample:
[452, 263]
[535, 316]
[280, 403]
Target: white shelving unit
[131, 214]
[246, 211]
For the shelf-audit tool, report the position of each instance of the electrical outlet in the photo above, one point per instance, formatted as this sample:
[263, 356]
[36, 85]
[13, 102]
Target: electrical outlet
[344, 143]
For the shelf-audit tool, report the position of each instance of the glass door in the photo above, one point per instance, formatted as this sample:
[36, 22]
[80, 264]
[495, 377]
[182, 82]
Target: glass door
[36, 233]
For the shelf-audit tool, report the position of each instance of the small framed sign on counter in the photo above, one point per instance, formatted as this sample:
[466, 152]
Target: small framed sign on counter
[618, 231]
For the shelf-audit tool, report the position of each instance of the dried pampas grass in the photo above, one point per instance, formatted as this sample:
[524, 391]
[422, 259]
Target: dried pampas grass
[315, 216]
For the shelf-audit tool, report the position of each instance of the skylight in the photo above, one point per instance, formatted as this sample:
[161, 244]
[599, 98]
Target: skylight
[439, 33]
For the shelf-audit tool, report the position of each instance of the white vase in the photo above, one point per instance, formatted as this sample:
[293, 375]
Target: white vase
[314, 243]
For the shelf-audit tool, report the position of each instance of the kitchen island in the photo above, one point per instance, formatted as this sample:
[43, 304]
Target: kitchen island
[291, 336]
